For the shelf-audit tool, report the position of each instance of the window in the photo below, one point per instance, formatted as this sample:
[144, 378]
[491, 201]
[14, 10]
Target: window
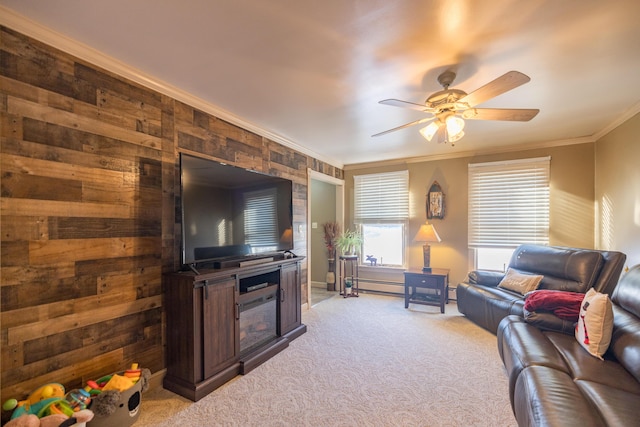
[261, 220]
[508, 206]
[381, 211]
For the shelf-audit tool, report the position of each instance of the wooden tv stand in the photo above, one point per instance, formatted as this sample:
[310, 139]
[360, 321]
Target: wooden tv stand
[202, 336]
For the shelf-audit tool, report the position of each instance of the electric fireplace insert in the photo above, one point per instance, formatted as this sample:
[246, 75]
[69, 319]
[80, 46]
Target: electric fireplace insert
[258, 317]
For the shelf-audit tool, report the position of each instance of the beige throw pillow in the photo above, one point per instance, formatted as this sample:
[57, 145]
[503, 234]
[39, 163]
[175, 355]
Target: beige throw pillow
[520, 283]
[595, 324]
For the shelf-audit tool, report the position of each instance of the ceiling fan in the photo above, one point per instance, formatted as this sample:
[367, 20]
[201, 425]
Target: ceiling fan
[450, 107]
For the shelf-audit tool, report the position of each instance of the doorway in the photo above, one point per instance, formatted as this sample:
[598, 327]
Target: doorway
[325, 203]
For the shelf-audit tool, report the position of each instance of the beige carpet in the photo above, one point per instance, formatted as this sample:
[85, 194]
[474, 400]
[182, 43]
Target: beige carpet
[364, 361]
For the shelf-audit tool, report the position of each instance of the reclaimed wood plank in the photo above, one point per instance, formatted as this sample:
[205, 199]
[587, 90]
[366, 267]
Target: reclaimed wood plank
[52, 251]
[28, 207]
[116, 264]
[16, 275]
[101, 337]
[64, 323]
[14, 252]
[71, 120]
[23, 165]
[106, 150]
[16, 228]
[26, 186]
[95, 228]
[46, 292]
[65, 307]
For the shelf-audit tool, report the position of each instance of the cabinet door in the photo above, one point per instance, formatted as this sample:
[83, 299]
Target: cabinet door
[290, 310]
[220, 342]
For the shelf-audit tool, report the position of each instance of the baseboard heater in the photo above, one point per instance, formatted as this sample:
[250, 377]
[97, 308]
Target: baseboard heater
[377, 285]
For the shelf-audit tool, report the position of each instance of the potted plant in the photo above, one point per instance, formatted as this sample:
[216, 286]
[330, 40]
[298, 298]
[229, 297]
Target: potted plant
[349, 242]
[347, 286]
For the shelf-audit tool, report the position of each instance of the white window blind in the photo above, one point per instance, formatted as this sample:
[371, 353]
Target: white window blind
[509, 203]
[381, 197]
[260, 219]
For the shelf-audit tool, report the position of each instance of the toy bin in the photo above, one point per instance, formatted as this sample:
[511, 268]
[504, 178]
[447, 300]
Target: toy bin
[127, 411]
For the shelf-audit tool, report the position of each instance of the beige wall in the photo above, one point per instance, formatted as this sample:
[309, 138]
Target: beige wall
[571, 215]
[617, 190]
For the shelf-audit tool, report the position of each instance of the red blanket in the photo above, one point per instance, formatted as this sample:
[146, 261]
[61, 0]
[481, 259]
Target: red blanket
[565, 305]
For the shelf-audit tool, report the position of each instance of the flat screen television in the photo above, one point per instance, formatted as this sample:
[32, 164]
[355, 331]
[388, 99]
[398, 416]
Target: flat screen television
[229, 212]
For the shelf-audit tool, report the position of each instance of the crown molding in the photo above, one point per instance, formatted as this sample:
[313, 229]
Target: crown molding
[472, 153]
[35, 30]
[635, 109]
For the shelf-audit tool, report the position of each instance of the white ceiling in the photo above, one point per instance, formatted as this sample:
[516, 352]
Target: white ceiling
[310, 73]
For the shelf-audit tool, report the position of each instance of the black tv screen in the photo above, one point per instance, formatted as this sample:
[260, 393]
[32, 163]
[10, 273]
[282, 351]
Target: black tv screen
[232, 212]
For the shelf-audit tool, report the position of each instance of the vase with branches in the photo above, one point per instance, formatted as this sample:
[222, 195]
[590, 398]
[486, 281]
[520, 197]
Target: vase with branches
[331, 232]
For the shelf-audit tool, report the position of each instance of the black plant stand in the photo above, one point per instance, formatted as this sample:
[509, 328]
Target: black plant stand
[349, 272]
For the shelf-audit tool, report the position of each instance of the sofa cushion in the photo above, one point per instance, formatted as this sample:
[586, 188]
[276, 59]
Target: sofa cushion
[520, 283]
[584, 366]
[548, 397]
[617, 406]
[595, 323]
[564, 269]
[521, 346]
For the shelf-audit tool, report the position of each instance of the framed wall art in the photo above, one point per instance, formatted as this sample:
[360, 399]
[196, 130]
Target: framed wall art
[435, 201]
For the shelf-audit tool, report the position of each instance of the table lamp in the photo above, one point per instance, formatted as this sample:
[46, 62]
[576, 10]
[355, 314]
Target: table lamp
[427, 234]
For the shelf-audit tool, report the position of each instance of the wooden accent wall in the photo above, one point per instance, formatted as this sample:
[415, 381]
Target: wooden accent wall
[90, 212]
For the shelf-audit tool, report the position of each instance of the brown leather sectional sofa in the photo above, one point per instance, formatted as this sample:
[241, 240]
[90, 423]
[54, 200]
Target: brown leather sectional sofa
[553, 381]
[564, 269]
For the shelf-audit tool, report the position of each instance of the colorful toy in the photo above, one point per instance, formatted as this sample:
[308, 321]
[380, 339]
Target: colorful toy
[38, 401]
[79, 419]
[78, 399]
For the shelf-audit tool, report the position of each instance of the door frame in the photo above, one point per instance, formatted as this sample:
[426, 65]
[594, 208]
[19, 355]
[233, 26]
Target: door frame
[339, 184]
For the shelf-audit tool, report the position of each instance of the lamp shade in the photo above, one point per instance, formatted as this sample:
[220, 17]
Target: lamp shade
[427, 233]
[430, 130]
[454, 126]
[286, 235]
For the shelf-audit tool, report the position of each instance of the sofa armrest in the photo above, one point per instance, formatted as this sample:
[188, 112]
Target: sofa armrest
[485, 277]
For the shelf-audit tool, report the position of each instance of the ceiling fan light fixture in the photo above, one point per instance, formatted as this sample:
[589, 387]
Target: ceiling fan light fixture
[429, 131]
[455, 125]
[454, 138]
[451, 106]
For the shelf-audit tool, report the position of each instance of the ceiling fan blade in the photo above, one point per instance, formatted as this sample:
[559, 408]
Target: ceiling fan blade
[405, 104]
[508, 114]
[417, 122]
[502, 84]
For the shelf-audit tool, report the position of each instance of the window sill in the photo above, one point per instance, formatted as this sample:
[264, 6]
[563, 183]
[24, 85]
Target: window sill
[381, 268]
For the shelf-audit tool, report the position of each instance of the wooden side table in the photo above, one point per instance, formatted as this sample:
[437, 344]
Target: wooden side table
[437, 279]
